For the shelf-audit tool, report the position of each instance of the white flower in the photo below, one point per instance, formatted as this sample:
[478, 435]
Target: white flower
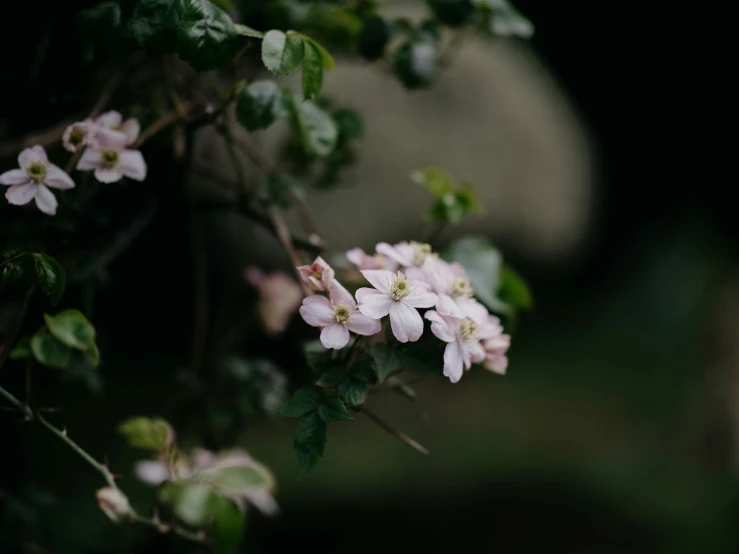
[77, 135]
[398, 296]
[114, 503]
[406, 254]
[112, 121]
[318, 275]
[32, 180]
[463, 337]
[108, 156]
[362, 260]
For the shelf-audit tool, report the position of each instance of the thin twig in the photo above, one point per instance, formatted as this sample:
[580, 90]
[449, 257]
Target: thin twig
[162, 123]
[395, 432]
[9, 339]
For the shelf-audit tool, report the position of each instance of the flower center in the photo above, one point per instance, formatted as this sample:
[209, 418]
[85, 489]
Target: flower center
[109, 158]
[467, 329]
[401, 287]
[341, 313]
[76, 136]
[420, 253]
[460, 287]
[318, 275]
[36, 171]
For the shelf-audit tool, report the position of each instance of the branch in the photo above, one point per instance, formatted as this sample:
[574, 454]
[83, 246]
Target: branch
[178, 114]
[395, 432]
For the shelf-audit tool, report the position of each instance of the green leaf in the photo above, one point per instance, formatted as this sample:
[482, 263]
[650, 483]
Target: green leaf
[282, 54]
[146, 433]
[482, 262]
[94, 354]
[22, 349]
[72, 328]
[332, 377]
[50, 351]
[435, 180]
[310, 440]
[417, 362]
[245, 31]
[51, 276]
[385, 361]
[233, 479]
[415, 63]
[327, 60]
[302, 402]
[332, 408]
[315, 128]
[317, 356]
[312, 79]
[513, 289]
[354, 392]
[228, 524]
[207, 37]
[373, 38]
[19, 272]
[154, 24]
[100, 18]
[260, 104]
[191, 502]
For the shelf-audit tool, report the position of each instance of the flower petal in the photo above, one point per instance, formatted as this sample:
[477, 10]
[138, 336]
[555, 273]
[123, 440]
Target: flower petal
[373, 303]
[132, 165]
[91, 159]
[473, 309]
[109, 119]
[419, 297]
[30, 155]
[107, 139]
[476, 351]
[57, 178]
[317, 311]
[453, 361]
[357, 256]
[339, 295]
[45, 200]
[151, 472]
[131, 129]
[406, 322]
[335, 336]
[446, 305]
[362, 325]
[497, 363]
[402, 253]
[15, 177]
[381, 279]
[440, 327]
[263, 500]
[108, 175]
[19, 195]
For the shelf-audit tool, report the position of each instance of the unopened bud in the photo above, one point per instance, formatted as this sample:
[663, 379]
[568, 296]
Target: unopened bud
[114, 503]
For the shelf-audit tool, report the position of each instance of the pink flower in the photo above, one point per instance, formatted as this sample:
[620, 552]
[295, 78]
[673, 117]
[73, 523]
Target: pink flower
[108, 156]
[362, 260]
[32, 180]
[450, 283]
[495, 353]
[463, 337]
[279, 298]
[318, 275]
[398, 296]
[77, 135]
[406, 254]
[337, 317]
[112, 123]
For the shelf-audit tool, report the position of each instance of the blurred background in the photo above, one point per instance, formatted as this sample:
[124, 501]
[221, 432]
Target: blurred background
[615, 430]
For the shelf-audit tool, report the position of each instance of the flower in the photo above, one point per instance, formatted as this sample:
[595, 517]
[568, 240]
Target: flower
[495, 353]
[108, 156]
[114, 503]
[398, 296]
[77, 134]
[337, 315]
[362, 260]
[406, 254]
[463, 336]
[32, 180]
[318, 275]
[112, 121]
[279, 298]
[451, 284]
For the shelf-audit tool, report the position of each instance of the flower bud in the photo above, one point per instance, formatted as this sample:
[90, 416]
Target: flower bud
[114, 503]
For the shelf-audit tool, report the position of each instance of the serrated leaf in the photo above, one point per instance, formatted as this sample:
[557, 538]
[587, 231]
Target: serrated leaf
[332, 409]
[245, 31]
[260, 104]
[354, 392]
[147, 433]
[191, 502]
[327, 60]
[154, 24]
[282, 53]
[312, 78]
[50, 276]
[301, 402]
[310, 440]
[435, 180]
[72, 328]
[50, 351]
[316, 130]
[385, 361]
[332, 377]
[207, 38]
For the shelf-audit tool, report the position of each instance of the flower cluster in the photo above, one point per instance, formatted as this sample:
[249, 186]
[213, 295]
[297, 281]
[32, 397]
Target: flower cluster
[405, 278]
[105, 141]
